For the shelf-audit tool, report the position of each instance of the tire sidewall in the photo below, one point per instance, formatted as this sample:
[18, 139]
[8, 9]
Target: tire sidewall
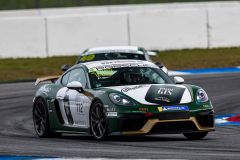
[47, 126]
[104, 136]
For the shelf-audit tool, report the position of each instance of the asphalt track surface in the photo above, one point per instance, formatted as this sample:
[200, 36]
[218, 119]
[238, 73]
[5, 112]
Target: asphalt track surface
[17, 135]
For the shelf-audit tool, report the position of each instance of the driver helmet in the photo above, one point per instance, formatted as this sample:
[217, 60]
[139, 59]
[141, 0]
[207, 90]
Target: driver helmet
[136, 75]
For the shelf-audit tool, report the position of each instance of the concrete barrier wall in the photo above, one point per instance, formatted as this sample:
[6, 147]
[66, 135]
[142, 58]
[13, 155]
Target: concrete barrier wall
[72, 11]
[71, 35]
[172, 6]
[19, 13]
[224, 27]
[119, 8]
[154, 30]
[22, 37]
[168, 29]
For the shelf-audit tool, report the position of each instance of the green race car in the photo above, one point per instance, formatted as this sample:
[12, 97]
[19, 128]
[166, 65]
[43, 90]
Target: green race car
[120, 97]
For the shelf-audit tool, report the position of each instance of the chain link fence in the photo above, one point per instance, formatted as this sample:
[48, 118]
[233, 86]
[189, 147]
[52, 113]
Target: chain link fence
[30, 4]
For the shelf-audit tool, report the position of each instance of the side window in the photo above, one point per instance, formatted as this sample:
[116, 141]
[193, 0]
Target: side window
[78, 75]
[65, 79]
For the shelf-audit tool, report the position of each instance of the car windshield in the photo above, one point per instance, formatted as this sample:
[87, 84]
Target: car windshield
[110, 56]
[128, 76]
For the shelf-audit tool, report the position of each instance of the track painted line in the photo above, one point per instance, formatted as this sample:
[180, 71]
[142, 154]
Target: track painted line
[27, 157]
[44, 158]
[227, 120]
[204, 71]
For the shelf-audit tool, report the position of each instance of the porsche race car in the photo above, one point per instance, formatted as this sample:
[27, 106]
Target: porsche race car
[118, 53]
[120, 97]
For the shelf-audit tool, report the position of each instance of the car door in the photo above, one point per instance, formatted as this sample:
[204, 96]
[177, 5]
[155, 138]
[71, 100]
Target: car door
[74, 105]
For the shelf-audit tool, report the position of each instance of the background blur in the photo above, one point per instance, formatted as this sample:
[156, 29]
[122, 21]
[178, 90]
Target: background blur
[29, 4]
[38, 36]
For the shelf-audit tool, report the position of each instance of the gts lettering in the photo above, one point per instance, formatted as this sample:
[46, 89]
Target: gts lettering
[165, 91]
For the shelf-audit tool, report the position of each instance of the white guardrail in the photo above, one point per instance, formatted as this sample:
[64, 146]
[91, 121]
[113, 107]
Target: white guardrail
[69, 31]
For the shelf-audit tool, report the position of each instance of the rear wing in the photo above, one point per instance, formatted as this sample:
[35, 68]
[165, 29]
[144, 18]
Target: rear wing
[52, 78]
[150, 53]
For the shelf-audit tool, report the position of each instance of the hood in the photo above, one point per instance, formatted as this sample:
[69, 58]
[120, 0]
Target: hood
[156, 94]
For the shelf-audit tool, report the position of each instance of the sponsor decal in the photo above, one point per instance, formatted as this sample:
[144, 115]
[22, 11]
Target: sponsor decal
[122, 61]
[80, 122]
[143, 109]
[45, 89]
[99, 92]
[133, 88]
[134, 109]
[130, 109]
[79, 108]
[206, 106]
[106, 105]
[111, 114]
[172, 108]
[169, 94]
[165, 91]
[111, 109]
[114, 51]
[104, 72]
[67, 109]
[163, 99]
[87, 58]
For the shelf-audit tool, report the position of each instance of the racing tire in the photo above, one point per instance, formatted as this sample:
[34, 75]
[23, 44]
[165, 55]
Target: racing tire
[195, 135]
[98, 121]
[41, 120]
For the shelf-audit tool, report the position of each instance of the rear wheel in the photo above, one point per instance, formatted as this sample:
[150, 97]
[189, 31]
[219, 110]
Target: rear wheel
[195, 135]
[98, 121]
[41, 121]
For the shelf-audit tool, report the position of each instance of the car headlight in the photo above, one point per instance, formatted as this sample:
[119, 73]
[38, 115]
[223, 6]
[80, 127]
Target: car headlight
[201, 96]
[121, 100]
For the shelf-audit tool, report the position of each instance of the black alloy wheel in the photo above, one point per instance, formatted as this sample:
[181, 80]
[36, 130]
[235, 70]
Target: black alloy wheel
[195, 135]
[41, 121]
[98, 121]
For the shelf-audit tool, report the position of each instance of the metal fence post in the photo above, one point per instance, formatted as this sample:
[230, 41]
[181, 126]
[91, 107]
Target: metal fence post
[36, 3]
[11, 4]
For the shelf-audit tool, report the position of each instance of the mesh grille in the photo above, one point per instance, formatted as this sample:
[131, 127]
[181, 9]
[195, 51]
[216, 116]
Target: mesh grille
[133, 124]
[205, 121]
[174, 126]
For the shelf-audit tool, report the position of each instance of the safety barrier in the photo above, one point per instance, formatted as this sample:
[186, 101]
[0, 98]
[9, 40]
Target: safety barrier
[22, 37]
[154, 30]
[72, 35]
[224, 26]
[168, 29]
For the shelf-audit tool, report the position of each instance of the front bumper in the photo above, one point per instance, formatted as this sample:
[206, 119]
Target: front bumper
[139, 124]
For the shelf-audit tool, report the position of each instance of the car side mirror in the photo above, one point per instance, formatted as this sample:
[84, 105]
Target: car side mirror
[76, 86]
[65, 67]
[159, 64]
[178, 80]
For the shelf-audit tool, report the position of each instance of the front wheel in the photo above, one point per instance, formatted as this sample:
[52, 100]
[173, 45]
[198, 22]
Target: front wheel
[98, 121]
[195, 135]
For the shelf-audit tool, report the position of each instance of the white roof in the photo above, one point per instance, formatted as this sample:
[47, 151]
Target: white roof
[99, 65]
[114, 48]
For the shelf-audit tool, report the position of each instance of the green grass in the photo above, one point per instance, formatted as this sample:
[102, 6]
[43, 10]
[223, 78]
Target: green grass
[13, 69]
[199, 58]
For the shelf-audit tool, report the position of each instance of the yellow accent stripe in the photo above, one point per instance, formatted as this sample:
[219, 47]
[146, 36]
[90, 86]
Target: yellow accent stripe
[151, 122]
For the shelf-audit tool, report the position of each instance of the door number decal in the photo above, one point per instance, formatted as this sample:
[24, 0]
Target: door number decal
[79, 108]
